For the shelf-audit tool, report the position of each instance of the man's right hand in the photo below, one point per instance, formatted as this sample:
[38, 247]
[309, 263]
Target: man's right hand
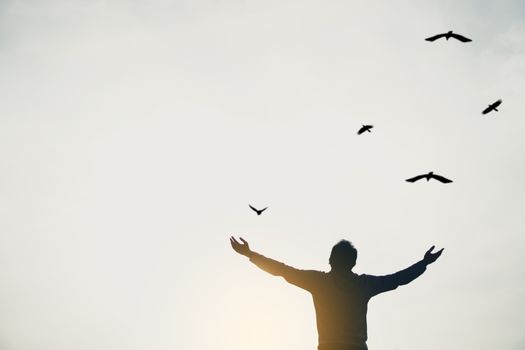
[241, 248]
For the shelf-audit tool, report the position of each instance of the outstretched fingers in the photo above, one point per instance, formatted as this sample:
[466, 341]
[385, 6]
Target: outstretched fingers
[235, 244]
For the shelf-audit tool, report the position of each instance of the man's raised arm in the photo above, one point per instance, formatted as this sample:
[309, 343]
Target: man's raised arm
[302, 278]
[380, 284]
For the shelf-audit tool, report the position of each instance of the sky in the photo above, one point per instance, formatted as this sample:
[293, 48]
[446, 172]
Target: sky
[134, 134]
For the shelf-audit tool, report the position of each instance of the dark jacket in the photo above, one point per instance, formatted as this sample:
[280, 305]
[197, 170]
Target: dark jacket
[340, 298]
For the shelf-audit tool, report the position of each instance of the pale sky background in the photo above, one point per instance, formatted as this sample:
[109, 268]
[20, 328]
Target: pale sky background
[133, 135]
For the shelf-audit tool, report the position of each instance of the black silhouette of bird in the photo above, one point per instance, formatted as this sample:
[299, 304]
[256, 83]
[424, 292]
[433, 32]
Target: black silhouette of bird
[365, 128]
[492, 107]
[429, 176]
[449, 35]
[259, 212]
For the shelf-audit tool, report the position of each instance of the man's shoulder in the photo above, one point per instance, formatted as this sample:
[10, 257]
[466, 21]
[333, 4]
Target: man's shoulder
[317, 273]
[364, 277]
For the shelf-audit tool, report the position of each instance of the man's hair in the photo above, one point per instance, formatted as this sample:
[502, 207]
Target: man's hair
[344, 255]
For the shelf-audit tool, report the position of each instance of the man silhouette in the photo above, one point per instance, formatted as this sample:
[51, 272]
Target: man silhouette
[340, 296]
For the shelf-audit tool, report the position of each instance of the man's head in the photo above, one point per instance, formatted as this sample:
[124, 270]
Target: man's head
[343, 256]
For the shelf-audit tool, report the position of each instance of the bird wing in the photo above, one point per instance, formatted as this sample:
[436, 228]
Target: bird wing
[255, 210]
[415, 178]
[364, 128]
[488, 109]
[460, 37]
[441, 178]
[260, 211]
[435, 37]
[496, 104]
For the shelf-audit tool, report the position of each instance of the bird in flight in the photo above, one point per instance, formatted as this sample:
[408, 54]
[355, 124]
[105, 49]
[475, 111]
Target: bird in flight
[258, 211]
[492, 107]
[449, 35]
[365, 128]
[429, 176]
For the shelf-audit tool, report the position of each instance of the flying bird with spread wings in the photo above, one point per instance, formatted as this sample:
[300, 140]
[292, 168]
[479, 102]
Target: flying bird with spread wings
[449, 35]
[429, 176]
[492, 107]
[365, 128]
[258, 211]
